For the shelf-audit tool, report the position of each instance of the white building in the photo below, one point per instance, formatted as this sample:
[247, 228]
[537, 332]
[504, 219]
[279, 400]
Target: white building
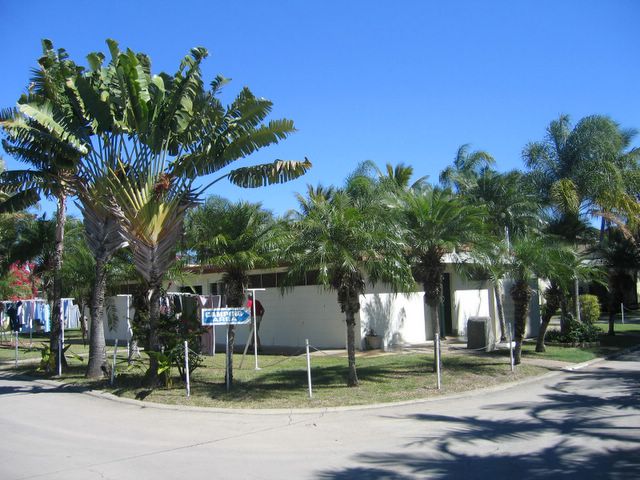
[312, 312]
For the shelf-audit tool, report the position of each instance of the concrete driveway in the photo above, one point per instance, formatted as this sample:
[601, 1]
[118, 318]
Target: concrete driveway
[580, 424]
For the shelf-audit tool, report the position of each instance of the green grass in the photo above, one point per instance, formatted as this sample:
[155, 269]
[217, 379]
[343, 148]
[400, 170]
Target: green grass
[282, 381]
[29, 347]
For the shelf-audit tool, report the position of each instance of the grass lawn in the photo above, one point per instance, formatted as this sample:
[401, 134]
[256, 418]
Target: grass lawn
[282, 381]
[29, 347]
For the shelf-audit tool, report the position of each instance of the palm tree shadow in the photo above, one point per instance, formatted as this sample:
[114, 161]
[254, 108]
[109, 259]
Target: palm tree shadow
[595, 435]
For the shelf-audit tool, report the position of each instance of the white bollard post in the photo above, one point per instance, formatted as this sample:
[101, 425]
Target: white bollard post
[309, 368]
[622, 312]
[186, 366]
[436, 344]
[17, 341]
[113, 365]
[60, 356]
[510, 348]
[228, 380]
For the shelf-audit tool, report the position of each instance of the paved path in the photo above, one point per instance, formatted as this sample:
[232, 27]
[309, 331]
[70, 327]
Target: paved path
[581, 424]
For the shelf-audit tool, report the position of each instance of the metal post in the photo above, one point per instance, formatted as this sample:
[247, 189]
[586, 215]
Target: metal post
[510, 348]
[227, 379]
[255, 325]
[113, 366]
[17, 340]
[60, 356]
[622, 312]
[213, 340]
[60, 340]
[308, 368]
[186, 366]
[436, 344]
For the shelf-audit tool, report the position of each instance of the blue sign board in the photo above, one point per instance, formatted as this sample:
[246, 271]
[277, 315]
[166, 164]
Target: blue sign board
[225, 316]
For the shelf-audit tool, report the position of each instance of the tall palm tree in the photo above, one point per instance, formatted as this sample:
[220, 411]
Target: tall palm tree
[51, 154]
[620, 256]
[534, 257]
[155, 135]
[234, 237]
[513, 210]
[438, 223]
[343, 238]
[586, 171]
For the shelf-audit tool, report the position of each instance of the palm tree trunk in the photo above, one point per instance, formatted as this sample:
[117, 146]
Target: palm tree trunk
[231, 338]
[434, 313]
[352, 378]
[521, 295]
[612, 303]
[498, 292]
[553, 296]
[56, 318]
[576, 300]
[154, 339]
[97, 347]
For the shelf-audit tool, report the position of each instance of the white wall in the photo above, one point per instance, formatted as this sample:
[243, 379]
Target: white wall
[119, 309]
[313, 312]
[306, 312]
[398, 318]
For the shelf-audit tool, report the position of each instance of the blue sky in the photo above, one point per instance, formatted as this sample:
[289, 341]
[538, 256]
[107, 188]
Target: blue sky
[392, 82]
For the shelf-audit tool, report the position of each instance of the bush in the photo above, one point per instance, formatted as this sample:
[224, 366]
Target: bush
[576, 332]
[589, 308]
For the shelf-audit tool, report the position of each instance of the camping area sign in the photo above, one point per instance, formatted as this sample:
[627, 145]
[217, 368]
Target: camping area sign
[225, 316]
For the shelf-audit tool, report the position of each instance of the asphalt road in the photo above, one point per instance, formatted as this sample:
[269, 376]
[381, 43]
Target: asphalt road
[581, 424]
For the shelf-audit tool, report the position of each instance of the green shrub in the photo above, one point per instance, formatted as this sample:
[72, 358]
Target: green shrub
[576, 332]
[589, 308]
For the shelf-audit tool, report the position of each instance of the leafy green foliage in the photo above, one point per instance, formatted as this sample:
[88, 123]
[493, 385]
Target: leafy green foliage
[575, 332]
[589, 308]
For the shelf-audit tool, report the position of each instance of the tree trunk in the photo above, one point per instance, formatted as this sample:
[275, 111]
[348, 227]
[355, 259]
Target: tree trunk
[498, 291]
[231, 336]
[434, 313]
[553, 296]
[352, 378]
[56, 318]
[97, 347]
[521, 295]
[576, 300]
[564, 311]
[153, 379]
[83, 322]
[613, 302]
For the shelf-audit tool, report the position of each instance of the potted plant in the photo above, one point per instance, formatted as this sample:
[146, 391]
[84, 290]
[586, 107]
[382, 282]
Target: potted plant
[372, 341]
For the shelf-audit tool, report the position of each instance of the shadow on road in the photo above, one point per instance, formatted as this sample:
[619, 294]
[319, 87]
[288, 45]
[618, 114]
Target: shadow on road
[569, 434]
[16, 386]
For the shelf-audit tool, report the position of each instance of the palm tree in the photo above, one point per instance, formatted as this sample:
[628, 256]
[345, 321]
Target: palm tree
[438, 223]
[467, 167]
[155, 135]
[586, 171]
[344, 239]
[534, 257]
[50, 152]
[620, 256]
[513, 210]
[234, 237]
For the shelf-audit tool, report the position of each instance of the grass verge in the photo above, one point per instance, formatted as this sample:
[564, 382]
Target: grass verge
[282, 381]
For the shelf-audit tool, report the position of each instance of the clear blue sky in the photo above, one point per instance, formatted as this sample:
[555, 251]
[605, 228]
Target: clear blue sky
[388, 81]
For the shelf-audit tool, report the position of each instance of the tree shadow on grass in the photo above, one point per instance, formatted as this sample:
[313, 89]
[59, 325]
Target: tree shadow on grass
[569, 434]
